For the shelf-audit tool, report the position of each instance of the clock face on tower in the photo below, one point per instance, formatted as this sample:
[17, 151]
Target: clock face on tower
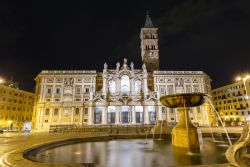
[149, 55]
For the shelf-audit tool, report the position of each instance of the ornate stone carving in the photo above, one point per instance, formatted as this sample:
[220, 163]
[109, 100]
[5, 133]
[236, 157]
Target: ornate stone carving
[178, 82]
[59, 80]
[68, 82]
[49, 80]
[237, 153]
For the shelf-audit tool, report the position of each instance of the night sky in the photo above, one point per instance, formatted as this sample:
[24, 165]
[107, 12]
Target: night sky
[208, 35]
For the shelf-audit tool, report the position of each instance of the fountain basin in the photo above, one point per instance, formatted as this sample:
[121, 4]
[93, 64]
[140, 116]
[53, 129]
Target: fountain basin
[183, 100]
[184, 134]
[127, 152]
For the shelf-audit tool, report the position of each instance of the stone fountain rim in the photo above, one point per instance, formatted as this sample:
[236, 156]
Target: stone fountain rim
[185, 94]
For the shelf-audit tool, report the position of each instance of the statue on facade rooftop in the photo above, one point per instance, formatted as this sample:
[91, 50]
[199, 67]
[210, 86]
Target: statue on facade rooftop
[117, 66]
[105, 66]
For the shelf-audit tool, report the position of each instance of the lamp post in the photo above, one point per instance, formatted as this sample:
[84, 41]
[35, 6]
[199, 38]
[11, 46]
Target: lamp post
[244, 79]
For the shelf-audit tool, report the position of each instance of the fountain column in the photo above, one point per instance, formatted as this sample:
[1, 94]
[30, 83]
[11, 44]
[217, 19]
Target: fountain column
[185, 134]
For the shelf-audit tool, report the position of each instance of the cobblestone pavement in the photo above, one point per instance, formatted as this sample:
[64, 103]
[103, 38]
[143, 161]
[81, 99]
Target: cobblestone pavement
[12, 146]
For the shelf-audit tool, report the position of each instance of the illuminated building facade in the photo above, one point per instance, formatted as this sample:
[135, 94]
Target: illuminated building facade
[232, 103]
[16, 108]
[120, 96]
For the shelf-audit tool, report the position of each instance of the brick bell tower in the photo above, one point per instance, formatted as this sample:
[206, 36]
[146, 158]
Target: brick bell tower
[149, 45]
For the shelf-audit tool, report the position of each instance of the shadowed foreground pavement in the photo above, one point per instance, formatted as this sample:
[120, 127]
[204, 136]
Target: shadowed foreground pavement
[12, 146]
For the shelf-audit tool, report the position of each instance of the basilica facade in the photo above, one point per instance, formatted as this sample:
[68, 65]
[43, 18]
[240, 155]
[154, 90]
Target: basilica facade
[120, 96]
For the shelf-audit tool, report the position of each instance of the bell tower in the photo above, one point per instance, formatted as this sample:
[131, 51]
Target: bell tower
[149, 45]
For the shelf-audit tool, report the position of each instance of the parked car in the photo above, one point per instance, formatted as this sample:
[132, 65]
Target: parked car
[1, 130]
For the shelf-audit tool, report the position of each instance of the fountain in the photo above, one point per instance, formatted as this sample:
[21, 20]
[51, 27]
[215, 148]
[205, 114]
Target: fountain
[162, 129]
[237, 154]
[184, 134]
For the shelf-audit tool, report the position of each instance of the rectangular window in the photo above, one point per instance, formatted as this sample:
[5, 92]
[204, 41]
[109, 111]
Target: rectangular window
[77, 111]
[170, 89]
[49, 90]
[188, 89]
[98, 115]
[162, 90]
[56, 111]
[85, 111]
[58, 90]
[47, 111]
[57, 99]
[87, 90]
[163, 110]
[78, 90]
[196, 88]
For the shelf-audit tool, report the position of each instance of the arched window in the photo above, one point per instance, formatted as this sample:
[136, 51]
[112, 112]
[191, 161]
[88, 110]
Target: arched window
[112, 86]
[125, 84]
[137, 86]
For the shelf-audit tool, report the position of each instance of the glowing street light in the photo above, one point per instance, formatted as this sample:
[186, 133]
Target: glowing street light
[1, 80]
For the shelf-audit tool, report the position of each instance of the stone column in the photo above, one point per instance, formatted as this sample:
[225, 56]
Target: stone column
[133, 115]
[72, 115]
[42, 117]
[38, 115]
[167, 114]
[145, 113]
[104, 115]
[60, 115]
[51, 115]
[132, 86]
[159, 112]
[90, 114]
[81, 115]
[117, 113]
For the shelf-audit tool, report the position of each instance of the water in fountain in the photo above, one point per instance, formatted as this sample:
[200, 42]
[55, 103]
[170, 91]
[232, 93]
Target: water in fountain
[160, 132]
[211, 131]
[211, 104]
[146, 138]
[152, 147]
[189, 152]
